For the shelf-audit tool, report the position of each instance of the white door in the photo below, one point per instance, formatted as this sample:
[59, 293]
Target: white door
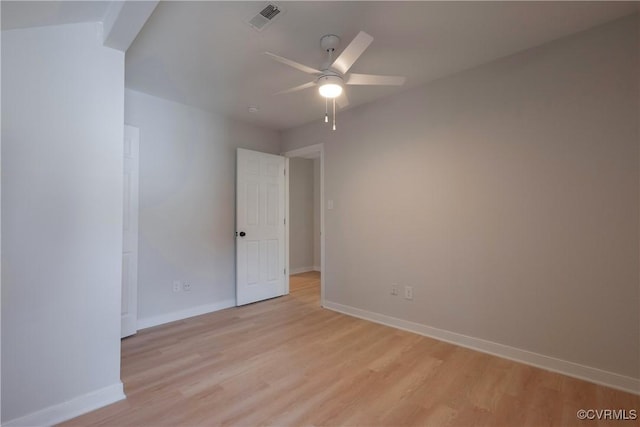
[260, 232]
[130, 233]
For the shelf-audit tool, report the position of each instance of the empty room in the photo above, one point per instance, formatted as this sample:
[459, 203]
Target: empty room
[322, 213]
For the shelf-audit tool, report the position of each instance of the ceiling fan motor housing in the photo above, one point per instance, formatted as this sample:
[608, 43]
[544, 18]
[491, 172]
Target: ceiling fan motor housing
[330, 78]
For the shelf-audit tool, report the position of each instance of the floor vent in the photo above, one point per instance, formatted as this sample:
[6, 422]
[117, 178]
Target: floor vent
[266, 16]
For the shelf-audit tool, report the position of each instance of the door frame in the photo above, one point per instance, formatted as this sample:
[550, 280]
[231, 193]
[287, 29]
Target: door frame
[304, 152]
[134, 212]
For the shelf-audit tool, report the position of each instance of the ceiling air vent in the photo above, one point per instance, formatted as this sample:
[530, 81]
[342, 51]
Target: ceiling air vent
[265, 17]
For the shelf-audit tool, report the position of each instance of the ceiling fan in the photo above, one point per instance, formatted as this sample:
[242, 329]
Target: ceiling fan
[333, 75]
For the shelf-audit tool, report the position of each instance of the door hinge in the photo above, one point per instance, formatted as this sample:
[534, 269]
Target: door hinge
[285, 172]
[285, 221]
[285, 271]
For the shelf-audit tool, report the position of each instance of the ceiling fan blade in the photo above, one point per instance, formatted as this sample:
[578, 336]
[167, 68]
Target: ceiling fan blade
[342, 101]
[293, 64]
[297, 88]
[352, 52]
[375, 80]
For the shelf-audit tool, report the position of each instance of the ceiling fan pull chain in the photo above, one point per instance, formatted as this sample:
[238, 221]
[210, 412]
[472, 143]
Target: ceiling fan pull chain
[326, 110]
[334, 114]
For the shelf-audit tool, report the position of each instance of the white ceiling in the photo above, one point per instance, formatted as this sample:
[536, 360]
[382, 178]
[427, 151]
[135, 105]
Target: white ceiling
[24, 14]
[205, 54]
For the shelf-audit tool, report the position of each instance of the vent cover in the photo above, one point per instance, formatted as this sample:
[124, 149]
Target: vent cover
[266, 16]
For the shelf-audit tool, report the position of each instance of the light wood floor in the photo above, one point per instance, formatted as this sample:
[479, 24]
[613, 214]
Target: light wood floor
[288, 362]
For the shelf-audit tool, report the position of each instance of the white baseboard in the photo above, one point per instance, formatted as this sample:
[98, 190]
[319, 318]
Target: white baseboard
[587, 373]
[161, 319]
[316, 268]
[301, 270]
[70, 409]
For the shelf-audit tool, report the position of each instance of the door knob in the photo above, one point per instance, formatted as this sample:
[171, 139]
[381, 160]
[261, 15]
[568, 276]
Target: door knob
[242, 234]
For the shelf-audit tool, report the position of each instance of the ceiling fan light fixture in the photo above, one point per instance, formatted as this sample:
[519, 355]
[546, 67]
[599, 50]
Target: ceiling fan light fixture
[330, 90]
[330, 86]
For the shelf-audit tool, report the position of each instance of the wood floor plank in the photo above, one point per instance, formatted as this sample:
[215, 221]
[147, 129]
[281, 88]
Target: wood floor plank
[288, 362]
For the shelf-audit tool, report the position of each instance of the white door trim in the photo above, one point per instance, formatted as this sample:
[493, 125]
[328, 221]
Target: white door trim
[287, 268]
[307, 151]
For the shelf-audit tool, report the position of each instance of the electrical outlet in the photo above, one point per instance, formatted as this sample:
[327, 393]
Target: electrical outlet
[394, 289]
[177, 286]
[186, 286]
[408, 292]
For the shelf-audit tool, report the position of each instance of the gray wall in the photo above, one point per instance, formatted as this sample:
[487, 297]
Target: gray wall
[62, 130]
[301, 198]
[187, 202]
[506, 195]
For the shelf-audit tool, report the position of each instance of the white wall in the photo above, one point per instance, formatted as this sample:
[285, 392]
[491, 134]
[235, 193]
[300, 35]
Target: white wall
[301, 225]
[316, 215]
[187, 204]
[62, 128]
[506, 195]
[0, 244]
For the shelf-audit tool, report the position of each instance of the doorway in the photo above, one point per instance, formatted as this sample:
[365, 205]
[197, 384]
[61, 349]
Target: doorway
[305, 225]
